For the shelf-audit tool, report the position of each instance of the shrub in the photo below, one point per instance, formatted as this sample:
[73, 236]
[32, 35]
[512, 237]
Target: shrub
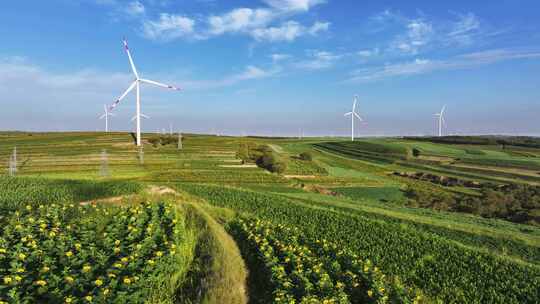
[306, 156]
[415, 152]
[270, 161]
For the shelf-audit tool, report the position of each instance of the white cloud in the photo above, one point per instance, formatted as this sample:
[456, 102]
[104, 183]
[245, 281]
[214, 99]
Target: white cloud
[288, 31]
[135, 8]
[419, 34]
[169, 27]
[239, 20]
[368, 53]
[319, 60]
[252, 72]
[255, 22]
[423, 66]
[293, 5]
[279, 57]
[318, 27]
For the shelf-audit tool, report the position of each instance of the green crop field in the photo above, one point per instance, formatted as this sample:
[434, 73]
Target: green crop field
[88, 217]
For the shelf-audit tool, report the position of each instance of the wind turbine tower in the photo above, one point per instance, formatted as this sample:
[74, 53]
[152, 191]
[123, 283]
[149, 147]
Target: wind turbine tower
[136, 84]
[440, 119]
[353, 115]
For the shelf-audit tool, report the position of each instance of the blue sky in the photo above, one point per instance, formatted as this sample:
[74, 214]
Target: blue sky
[273, 67]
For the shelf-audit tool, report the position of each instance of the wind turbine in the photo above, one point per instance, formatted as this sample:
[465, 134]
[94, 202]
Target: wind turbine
[106, 116]
[136, 84]
[353, 114]
[441, 119]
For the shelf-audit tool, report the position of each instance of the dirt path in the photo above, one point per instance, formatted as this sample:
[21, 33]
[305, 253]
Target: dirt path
[239, 166]
[300, 176]
[221, 271]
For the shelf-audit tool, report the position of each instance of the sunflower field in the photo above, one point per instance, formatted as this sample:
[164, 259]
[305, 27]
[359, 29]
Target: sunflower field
[67, 253]
[300, 270]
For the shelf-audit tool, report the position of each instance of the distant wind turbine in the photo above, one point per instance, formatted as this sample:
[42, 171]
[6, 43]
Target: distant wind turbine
[136, 84]
[142, 115]
[353, 114]
[106, 116]
[440, 118]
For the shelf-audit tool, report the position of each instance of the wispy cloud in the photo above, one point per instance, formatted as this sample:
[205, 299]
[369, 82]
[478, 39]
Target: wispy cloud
[318, 60]
[32, 84]
[464, 29]
[250, 72]
[424, 66]
[422, 33]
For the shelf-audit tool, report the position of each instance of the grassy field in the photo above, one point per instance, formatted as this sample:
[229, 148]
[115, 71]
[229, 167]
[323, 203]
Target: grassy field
[337, 228]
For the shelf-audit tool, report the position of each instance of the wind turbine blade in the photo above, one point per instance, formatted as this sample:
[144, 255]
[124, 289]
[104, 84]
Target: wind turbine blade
[442, 110]
[123, 95]
[102, 116]
[145, 116]
[358, 116]
[160, 84]
[348, 113]
[111, 114]
[130, 59]
[133, 118]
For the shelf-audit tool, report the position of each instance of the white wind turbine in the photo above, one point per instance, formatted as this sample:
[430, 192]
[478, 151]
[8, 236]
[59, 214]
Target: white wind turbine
[135, 84]
[440, 118]
[353, 114]
[106, 116]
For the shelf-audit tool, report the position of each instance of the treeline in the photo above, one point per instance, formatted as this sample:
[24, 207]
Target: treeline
[519, 141]
[515, 203]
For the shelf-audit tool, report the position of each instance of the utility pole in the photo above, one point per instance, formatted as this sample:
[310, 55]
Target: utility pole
[104, 170]
[13, 163]
[179, 141]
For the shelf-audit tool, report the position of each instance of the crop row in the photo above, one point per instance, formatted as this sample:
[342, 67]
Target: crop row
[307, 271]
[62, 253]
[441, 268]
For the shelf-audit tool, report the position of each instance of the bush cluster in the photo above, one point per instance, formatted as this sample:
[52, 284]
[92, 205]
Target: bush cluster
[163, 140]
[263, 156]
[516, 203]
